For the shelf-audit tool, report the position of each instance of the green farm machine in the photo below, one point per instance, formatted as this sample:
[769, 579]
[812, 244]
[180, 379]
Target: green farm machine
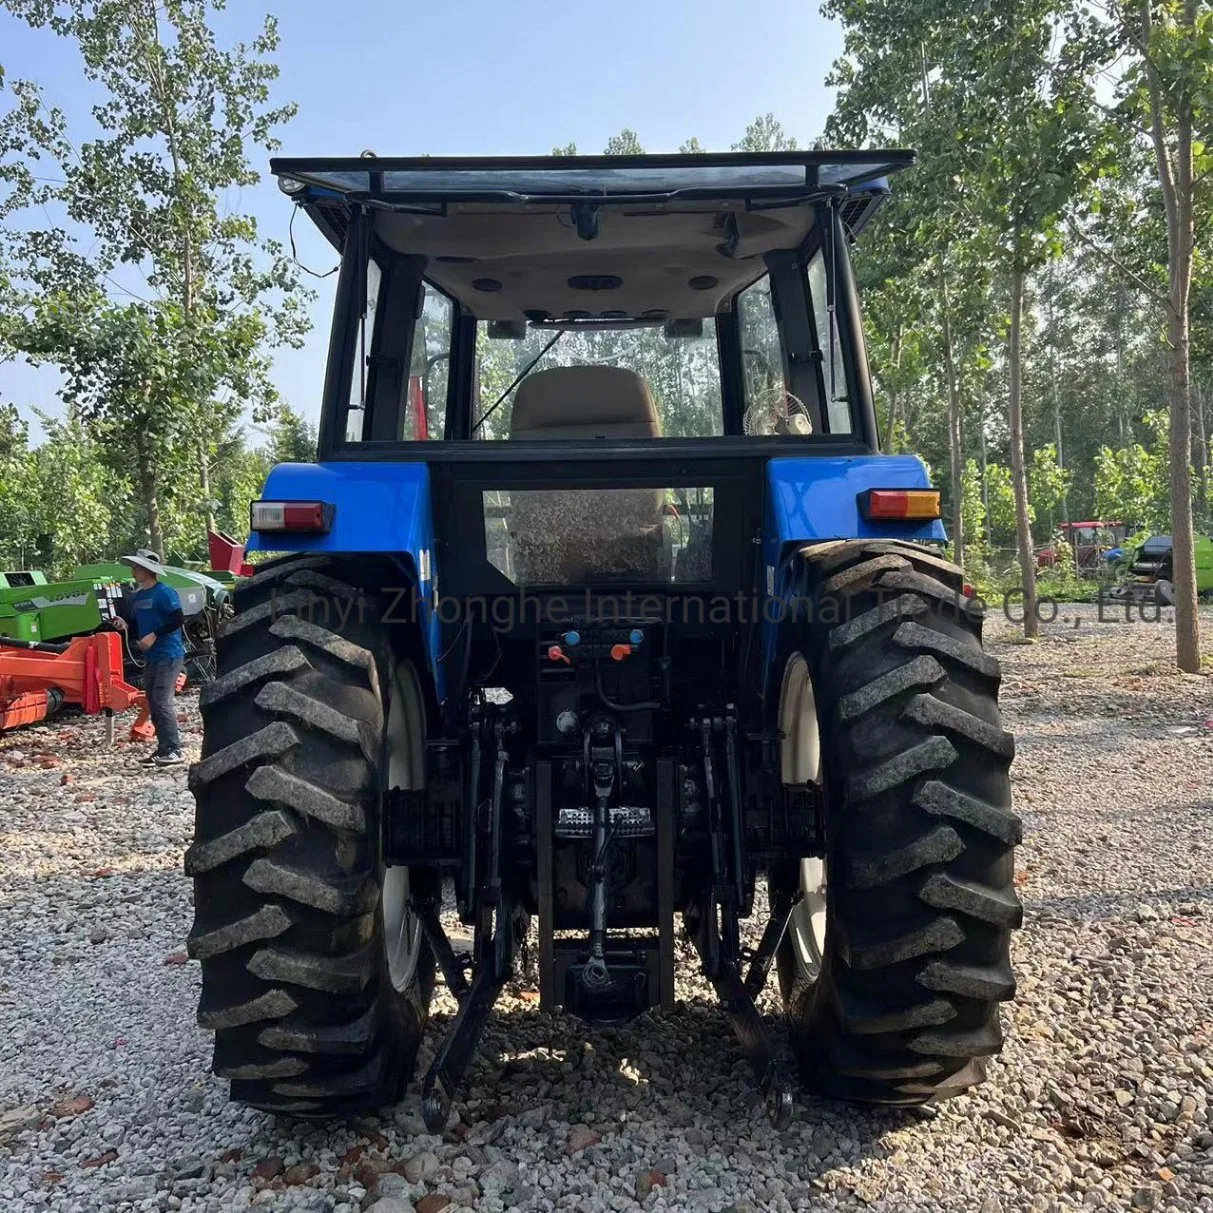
[35, 610]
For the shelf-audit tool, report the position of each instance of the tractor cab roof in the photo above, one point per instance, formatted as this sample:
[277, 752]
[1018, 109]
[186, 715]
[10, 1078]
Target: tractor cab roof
[610, 238]
[745, 175]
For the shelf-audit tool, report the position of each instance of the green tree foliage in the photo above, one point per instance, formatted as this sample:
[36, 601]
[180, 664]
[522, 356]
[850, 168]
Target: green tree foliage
[1165, 53]
[626, 143]
[80, 502]
[18, 490]
[1001, 100]
[1048, 483]
[1000, 494]
[66, 503]
[765, 134]
[146, 194]
[292, 437]
[239, 479]
[1132, 482]
[135, 372]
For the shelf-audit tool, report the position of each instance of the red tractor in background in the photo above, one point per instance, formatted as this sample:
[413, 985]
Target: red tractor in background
[1089, 541]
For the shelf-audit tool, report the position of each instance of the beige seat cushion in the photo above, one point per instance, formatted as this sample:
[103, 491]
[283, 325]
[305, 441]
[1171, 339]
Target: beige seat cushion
[584, 402]
[566, 536]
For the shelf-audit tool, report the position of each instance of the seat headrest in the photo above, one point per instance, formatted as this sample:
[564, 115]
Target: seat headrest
[584, 402]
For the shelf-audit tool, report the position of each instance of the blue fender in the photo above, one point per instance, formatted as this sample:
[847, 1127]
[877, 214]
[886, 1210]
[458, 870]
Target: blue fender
[380, 509]
[815, 499]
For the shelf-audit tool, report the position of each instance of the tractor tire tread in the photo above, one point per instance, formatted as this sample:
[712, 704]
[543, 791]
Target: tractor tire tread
[286, 859]
[268, 922]
[920, 874]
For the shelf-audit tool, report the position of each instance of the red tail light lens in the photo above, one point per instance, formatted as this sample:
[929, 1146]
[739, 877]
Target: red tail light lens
[315, 517]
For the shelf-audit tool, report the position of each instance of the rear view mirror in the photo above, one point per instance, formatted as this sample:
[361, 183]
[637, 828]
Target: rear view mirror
[684, 328]
[507, 330]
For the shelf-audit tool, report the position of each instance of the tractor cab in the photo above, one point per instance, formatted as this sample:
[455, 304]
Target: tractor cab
[514, 325]
[721, 282]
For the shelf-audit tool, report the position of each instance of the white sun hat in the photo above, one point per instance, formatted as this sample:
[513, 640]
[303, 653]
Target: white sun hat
[145, 559]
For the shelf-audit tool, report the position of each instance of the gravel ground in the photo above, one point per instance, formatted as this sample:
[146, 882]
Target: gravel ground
[1101, 1098]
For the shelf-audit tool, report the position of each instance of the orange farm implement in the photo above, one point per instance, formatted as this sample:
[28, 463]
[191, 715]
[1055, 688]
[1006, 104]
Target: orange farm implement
[36, 680]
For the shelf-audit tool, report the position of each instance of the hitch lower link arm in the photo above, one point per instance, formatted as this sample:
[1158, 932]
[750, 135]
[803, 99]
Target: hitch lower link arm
[717, 935]
[498, 931]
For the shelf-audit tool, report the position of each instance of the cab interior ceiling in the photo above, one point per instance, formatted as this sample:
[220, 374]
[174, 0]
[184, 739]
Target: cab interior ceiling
[506, 263]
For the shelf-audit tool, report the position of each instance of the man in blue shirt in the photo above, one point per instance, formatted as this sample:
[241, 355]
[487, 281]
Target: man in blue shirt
[156, 621]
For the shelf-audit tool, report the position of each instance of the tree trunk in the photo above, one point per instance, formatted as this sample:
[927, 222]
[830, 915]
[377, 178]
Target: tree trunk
[985, 484]
[910, 410]
[894, 393]
[149, 487]
[170, 112]
[955, 441]
[204, 479]
[1061, 460]
[1122, 406]
[891, 429]
[1187, 622]
[1201, 405]
[1027, 557]
[1200, 459]
[1176, 181]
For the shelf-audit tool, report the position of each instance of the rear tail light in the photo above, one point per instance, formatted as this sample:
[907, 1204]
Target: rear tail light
[315, 517]
[890, 505]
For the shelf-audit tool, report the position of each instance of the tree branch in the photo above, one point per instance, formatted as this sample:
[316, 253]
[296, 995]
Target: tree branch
[1157, 295]
[1117, 116]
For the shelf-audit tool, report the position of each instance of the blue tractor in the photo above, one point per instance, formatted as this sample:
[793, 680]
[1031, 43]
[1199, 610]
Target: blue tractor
[600, 613]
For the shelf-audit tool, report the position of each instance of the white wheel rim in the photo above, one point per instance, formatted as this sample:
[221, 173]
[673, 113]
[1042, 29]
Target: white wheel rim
[800, 762]
[405, 739]
[808, 921]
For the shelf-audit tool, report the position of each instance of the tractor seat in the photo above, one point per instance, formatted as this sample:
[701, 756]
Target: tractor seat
[584, 402]
[565, 536]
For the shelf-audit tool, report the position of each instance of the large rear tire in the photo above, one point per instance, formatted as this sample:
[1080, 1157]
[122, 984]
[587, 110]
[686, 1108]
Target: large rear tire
[317, 1009]
[897, 955]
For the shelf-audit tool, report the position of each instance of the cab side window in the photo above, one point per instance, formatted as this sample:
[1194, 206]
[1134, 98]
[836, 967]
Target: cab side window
[364, 340]
[763, 356]
[833, 369]
[424, 414]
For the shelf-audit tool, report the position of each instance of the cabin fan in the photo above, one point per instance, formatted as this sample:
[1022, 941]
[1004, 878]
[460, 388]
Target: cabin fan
[776, 411]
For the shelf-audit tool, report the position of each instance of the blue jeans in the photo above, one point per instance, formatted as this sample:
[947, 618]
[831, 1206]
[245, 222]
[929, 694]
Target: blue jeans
[160, 687]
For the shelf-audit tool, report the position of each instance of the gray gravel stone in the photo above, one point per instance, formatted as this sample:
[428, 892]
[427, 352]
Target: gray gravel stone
[391, 1204]
[1101, 1098]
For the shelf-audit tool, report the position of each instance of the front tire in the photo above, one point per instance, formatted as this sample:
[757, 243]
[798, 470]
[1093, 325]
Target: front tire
[313, 1009]
[892, 977]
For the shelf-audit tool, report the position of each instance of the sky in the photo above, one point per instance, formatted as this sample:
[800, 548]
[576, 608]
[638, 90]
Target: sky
[482, 77]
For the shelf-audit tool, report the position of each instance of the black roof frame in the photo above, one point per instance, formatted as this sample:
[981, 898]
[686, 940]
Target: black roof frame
[308, 171]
